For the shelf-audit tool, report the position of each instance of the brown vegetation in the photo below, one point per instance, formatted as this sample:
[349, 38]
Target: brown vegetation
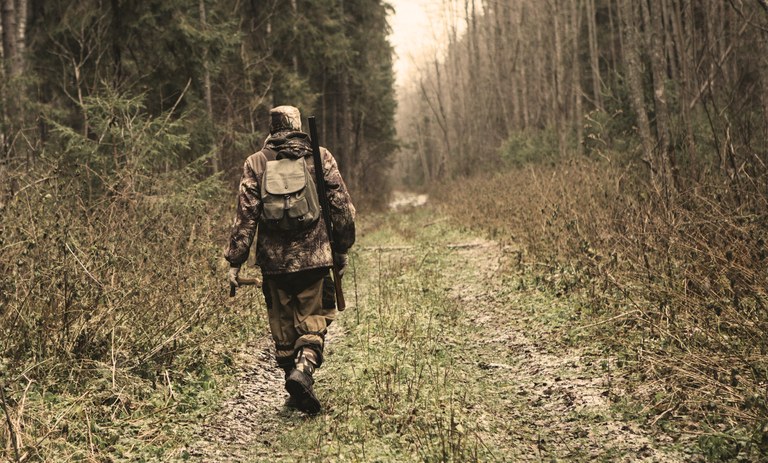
[633, 138]
[106, 307]
[681, 289]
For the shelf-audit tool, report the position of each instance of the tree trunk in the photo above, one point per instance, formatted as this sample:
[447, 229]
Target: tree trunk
[682, 43]
[559, 107]
[207, 85]
[594, 55]
[654, 27]
[668, 37]
[11, 69]
[616, 32]
[10, 40]
[421, 150]
[524, 119]
[21, 26]
[117, 37]
[633, 72]
[504, 68]
[763, 66]
[542, 87]
[346, 161]
[295, 11]
[578, 107]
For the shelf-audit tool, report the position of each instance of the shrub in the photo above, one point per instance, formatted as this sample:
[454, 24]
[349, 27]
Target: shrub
[110, 285]
[684, 283]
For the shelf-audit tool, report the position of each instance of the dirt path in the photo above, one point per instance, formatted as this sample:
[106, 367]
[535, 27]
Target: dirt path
[246, 424]
[251, 414]
[558, 400]
[550, 399]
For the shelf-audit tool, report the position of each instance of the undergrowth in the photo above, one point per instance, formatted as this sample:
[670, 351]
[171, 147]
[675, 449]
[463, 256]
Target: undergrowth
[680, 284]
[112, 304]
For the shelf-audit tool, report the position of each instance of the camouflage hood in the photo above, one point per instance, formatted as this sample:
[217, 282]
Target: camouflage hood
[295, 144]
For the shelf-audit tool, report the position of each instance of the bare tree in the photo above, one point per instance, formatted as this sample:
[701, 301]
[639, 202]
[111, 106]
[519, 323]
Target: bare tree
[559, 108]
[633, 72]
[576, 89]
[207, 82]
[10, 39]
[21, 26]
[594, 54]
[664, 162]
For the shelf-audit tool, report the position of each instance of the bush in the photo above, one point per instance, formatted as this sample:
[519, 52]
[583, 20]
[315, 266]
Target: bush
[111, 287]
[523, 148]
[685, 283]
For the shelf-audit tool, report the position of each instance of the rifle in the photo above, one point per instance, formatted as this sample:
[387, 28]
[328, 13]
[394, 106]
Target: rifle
[325, 206]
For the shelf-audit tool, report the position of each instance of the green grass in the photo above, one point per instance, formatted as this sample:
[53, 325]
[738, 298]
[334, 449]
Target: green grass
[394, 386]
[414, 377]
[430, 362]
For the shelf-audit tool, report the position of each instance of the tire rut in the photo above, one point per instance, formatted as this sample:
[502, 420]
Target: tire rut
[251, 413]
[558, 399]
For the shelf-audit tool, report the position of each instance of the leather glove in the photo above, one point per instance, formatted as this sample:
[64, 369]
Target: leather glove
[340, 261]
[232, 276]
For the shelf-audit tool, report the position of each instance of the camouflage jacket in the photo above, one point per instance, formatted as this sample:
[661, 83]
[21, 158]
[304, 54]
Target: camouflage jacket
[287, 252]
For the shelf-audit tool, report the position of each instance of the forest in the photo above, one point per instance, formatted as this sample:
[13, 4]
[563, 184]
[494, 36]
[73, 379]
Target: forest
[628, 145]
[615, 152]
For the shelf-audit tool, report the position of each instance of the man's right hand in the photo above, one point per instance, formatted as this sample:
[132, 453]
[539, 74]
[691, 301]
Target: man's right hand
[232, 276]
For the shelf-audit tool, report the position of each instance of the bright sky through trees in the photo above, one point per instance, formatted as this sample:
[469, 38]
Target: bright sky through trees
[417, 29]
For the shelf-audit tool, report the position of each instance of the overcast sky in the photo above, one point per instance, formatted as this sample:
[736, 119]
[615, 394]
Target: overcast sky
[416, 27]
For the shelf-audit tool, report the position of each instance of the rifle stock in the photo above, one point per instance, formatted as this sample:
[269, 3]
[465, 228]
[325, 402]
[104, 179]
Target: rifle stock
[325, 206]
[340, 303]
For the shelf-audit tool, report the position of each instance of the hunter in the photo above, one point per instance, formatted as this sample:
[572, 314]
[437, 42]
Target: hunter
[294, 258]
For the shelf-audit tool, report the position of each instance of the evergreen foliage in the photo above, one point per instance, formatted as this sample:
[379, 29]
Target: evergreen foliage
[124, 125]
[327, 57]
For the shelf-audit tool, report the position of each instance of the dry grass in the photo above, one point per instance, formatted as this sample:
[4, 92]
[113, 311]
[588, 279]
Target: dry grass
[682, 286]
[109, 310]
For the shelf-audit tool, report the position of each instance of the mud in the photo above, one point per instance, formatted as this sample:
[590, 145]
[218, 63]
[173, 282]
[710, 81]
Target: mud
[558, 401]
[252, 413]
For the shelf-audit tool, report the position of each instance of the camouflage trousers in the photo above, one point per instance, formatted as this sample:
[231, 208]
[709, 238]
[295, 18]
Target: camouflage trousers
[300, 308]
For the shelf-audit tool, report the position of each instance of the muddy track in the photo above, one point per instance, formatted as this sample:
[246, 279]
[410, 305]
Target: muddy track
[552, 401]
[558, 400]
[252, 412]
[246, 423]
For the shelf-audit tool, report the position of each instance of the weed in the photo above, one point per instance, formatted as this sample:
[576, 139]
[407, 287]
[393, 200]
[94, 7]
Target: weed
[685, 284]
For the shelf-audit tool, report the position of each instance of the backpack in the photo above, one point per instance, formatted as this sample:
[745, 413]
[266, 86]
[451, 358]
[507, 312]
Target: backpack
[288, 195]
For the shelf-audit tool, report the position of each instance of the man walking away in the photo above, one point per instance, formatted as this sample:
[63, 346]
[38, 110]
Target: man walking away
[292, 246]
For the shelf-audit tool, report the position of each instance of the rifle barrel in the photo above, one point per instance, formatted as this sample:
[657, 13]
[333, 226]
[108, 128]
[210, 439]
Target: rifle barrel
[326, 207]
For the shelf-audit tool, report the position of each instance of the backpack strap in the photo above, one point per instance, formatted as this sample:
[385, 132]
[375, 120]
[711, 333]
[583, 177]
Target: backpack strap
[269, 153]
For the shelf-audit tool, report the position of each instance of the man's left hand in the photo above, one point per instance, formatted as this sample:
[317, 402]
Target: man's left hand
[340, 261]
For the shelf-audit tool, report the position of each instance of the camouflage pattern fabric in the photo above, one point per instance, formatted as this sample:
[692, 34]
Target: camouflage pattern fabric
[284, 118]
[286, 252]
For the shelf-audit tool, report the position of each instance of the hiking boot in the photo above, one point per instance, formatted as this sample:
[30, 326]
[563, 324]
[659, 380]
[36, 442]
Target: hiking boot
[299, 386]
[292, 402]
[299, 381]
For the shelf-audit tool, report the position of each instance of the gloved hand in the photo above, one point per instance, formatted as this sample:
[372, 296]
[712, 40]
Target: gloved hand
[232, 276]
[340, 261]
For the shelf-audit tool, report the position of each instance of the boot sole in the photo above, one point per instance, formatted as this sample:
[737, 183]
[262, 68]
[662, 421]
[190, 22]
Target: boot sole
[300, 389]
